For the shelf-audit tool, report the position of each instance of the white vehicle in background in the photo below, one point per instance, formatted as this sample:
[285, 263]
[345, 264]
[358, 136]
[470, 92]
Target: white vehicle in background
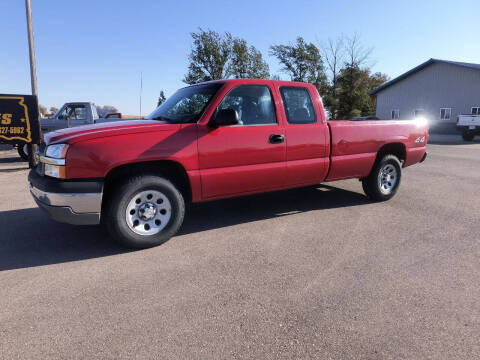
[76, 114]
[71, 114]
[469, 126]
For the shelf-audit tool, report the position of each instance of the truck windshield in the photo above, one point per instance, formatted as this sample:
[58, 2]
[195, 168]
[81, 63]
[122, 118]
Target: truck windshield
[186, 105]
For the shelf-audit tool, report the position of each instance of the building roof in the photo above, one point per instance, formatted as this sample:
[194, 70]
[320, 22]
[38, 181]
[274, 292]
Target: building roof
[423, 66]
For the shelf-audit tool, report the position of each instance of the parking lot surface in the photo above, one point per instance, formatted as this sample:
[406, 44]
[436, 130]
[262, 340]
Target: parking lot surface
[307, 273]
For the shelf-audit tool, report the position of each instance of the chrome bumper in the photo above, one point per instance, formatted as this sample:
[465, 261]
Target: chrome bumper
[70, 208]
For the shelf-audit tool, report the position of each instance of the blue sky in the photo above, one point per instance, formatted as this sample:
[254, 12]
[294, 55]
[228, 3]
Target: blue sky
[95, 50]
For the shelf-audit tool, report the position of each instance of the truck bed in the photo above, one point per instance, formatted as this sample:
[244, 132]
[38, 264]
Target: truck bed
[354, 145]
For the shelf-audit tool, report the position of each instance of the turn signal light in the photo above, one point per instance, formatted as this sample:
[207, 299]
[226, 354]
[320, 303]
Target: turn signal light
[55, 171]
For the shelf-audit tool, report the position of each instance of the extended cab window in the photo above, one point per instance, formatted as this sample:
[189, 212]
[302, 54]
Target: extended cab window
[186, 105]
[74, 112]
[253, 104]
[298, 105]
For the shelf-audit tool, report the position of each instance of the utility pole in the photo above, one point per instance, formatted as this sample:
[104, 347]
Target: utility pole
[33, 71]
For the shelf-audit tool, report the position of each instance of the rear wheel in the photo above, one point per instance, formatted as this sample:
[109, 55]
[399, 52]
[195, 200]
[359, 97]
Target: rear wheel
[468, 136]
[145, 211]
[383, 182]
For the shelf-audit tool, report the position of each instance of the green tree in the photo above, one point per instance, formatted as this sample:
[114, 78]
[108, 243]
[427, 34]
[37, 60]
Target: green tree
[372, 82]
[161, 98]
[302, 62]
[349, 78]
[209, 57]
[43, 110]
[247, 62]
[221, 56]
[353, 96]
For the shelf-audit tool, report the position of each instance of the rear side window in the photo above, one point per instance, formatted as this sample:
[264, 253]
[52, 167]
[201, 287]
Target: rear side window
[298, 105]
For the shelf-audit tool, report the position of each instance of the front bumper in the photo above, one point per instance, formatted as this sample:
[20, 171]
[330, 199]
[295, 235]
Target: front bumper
[71, 202]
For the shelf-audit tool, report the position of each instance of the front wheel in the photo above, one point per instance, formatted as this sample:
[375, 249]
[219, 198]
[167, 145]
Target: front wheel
[23, 151]
[384, 180]
[468, 136]
[144, 211]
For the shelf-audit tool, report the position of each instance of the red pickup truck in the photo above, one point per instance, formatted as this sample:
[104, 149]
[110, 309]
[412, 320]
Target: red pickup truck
[210, 141]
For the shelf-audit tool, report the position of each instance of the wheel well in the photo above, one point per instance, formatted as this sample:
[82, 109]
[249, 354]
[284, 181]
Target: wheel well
[397, 149]
[170, 170]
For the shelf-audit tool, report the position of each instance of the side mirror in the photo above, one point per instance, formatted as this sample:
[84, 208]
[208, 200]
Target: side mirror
[224, 117]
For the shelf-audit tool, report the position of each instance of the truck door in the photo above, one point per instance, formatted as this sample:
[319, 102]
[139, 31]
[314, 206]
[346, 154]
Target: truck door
[247, 157]
[307, 136]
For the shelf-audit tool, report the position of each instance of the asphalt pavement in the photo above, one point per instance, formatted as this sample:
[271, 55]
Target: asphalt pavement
[308, 273]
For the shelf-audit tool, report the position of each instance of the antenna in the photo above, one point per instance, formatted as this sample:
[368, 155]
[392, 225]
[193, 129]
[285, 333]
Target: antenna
[141, 88]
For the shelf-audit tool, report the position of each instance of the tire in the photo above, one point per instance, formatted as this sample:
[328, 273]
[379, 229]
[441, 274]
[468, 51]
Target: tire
[23, 151]
[384, 180]
[156, 210]
[468, 136]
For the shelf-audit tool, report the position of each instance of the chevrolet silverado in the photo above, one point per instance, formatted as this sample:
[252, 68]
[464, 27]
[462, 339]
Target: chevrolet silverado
[210, 141]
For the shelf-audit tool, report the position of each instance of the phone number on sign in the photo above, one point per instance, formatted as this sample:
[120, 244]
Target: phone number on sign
[13, 130]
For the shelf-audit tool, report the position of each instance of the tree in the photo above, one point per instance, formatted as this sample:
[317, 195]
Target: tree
[43, 110]
[215, 56]
[53, 110]
[247, 62]
[334, 55]
[349, 78]
[373, 82]
[161, 98]
[353, 96]
[209, 56]
[106, 108]
[303, 62]
[356, 54]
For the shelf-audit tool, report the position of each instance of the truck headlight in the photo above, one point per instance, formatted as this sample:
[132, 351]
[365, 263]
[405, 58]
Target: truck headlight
[57, 151]
[54, 161]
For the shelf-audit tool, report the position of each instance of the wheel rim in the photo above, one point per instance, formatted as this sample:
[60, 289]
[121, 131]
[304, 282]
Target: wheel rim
[148, 212]
[25, 149]
[387, 178]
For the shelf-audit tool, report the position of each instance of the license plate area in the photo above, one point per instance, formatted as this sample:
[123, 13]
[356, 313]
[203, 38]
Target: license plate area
[471, 127]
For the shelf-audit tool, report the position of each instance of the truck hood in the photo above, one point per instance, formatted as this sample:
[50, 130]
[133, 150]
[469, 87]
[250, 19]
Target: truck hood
[114, 128]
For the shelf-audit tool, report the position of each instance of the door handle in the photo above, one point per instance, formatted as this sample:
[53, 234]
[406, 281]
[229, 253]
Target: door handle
[276, 139]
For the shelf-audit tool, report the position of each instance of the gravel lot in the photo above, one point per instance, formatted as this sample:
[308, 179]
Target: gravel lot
[308, 273]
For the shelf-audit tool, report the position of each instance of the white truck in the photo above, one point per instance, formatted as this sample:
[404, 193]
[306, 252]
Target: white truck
[469, 126]
[74, 114]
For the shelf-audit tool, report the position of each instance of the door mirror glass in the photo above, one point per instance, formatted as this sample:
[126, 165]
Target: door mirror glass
[225, 117]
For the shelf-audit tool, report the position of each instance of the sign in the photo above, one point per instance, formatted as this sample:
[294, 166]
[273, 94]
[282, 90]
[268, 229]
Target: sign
[19, 119]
